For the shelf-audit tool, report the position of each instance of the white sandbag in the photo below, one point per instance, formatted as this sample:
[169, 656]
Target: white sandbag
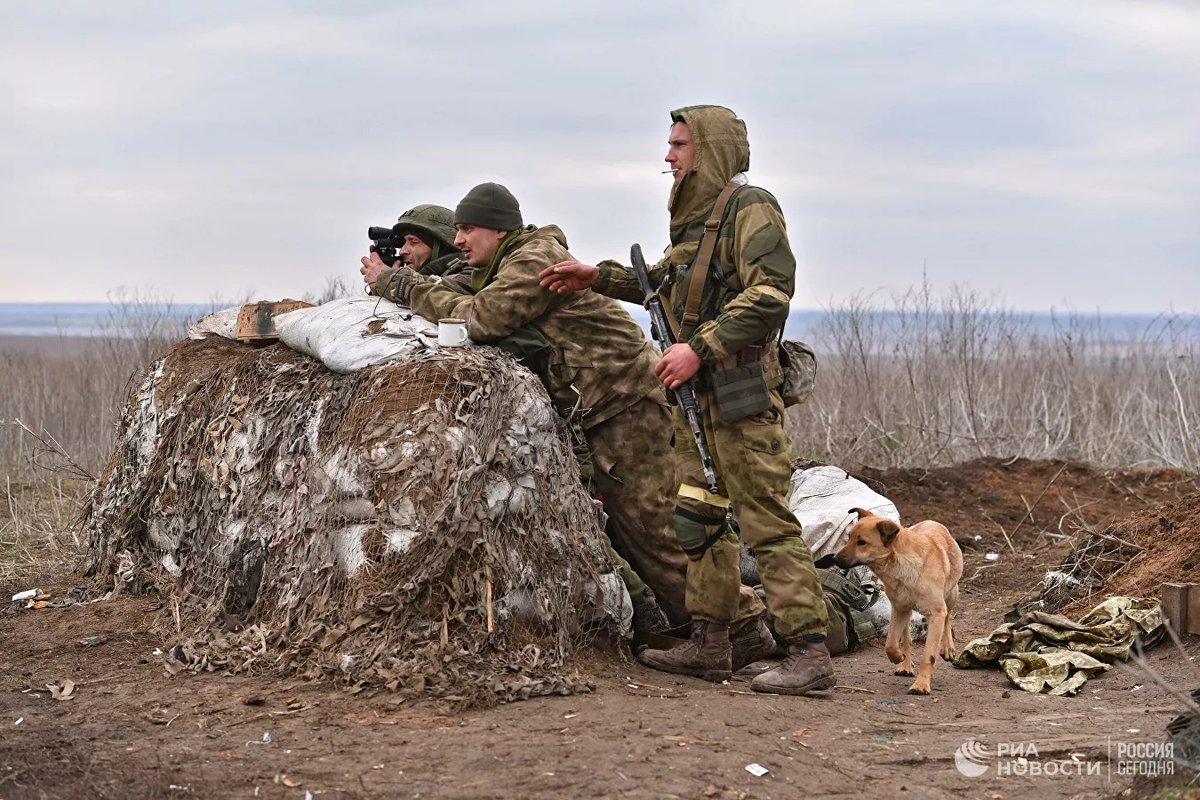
[220, 323]
[355, 332]
[821, 498]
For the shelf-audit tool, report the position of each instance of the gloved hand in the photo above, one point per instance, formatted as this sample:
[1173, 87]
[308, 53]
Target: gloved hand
[396, 285]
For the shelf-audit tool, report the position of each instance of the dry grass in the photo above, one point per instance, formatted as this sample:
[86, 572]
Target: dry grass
[60, 399]
[940, 381]
[932, 381]
[38, 522]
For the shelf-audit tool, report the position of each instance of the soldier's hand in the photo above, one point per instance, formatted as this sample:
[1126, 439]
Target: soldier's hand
[372, 267]
[679, 364]
[569, 276]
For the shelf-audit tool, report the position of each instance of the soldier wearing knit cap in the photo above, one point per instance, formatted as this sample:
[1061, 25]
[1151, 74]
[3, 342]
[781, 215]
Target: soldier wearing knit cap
[599, 373]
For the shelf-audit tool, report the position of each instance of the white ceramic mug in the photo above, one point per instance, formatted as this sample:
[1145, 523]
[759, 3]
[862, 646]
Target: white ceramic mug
[452, 332]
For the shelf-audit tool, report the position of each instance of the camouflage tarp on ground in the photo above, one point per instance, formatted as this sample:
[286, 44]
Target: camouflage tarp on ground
[419, 525]
[1053, 654]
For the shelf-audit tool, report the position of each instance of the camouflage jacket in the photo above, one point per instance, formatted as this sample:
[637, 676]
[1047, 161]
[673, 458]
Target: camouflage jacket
[449, 264]
[750, 284]
[600, 361]
[450, 267]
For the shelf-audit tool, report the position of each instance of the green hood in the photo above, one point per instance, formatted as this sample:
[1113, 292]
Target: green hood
[721, 151]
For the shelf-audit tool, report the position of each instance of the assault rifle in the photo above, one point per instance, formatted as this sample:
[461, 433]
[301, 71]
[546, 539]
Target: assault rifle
[685, 393]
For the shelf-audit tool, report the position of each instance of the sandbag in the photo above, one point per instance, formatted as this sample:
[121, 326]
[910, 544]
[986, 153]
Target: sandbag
[349, 334]
[821, 499]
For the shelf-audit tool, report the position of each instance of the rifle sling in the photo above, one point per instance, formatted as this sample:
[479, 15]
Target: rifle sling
[700, 266]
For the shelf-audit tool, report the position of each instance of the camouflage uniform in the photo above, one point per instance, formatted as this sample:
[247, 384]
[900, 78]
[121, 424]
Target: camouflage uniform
[434, 225]
[744, 304]
[601, 375]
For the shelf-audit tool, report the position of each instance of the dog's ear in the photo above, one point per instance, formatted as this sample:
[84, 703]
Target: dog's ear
[861, 512]
[887, 531]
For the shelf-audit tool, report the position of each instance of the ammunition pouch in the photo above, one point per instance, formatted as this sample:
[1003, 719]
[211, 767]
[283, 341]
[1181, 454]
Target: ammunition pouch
[739, 386]
[529, 346]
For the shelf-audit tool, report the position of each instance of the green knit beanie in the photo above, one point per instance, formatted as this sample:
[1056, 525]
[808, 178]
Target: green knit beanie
[489, 205]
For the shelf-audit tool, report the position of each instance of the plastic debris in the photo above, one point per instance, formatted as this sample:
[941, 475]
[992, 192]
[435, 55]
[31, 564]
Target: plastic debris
[28, 594]
[19, 721]
[757, 770]
[992, 556]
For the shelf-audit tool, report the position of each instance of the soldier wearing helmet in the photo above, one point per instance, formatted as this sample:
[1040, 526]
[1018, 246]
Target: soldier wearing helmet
[428, 249]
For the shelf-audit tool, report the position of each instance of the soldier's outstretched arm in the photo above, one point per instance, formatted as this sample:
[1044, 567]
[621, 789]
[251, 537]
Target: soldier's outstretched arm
[568, 276]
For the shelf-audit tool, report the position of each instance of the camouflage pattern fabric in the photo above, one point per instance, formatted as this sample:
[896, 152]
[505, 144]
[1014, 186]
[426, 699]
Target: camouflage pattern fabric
[752, 460]
[450, 268]
[634, 472]
[447, 265]
[600, 361]
[745, 302]
[1056, 655]
[749, 304]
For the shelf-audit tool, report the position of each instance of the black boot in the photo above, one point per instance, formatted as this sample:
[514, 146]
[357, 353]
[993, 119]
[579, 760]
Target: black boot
[648, 617]
[706, 655]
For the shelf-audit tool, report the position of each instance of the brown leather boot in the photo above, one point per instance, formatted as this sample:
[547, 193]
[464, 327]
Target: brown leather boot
[706, 655]
[807, 668]
[753, 642]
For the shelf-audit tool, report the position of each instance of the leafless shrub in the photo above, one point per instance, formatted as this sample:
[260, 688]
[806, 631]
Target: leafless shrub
[335, 288]
[931, 382]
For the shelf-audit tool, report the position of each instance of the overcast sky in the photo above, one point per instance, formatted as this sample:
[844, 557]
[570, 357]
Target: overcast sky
[1044, 154]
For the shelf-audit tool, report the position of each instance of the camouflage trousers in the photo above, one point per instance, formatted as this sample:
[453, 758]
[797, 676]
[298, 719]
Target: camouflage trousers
[754, 471]
[634, 471]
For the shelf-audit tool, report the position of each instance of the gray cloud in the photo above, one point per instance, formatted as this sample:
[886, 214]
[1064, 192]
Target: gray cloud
[1045, 154]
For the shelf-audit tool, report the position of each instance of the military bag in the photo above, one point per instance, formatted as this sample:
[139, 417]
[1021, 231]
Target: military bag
[799, 365]
[846, 601]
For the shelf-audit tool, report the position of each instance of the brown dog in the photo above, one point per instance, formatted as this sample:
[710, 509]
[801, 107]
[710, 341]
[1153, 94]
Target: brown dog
[919, 567]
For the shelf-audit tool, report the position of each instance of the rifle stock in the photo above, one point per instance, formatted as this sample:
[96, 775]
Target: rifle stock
[685, 393]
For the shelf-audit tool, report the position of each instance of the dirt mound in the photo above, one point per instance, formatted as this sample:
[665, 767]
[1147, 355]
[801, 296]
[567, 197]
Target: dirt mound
[419, 525]
[1132, 557]
[1025, 499]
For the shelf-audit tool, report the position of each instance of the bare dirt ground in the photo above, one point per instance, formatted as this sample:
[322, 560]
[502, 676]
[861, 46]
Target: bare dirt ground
[128, 730]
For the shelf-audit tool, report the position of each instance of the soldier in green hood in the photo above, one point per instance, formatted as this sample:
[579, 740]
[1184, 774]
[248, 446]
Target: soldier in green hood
[729, 344]
[428, 248]
[598, 370]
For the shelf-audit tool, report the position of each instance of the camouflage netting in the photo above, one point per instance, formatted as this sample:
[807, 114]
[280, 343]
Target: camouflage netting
[419, 526]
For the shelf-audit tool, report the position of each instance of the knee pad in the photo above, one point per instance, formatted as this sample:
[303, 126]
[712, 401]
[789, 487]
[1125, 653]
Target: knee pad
[701, 518]
[697, 533]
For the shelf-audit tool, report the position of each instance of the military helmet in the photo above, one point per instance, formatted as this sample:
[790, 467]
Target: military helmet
[432, 223]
